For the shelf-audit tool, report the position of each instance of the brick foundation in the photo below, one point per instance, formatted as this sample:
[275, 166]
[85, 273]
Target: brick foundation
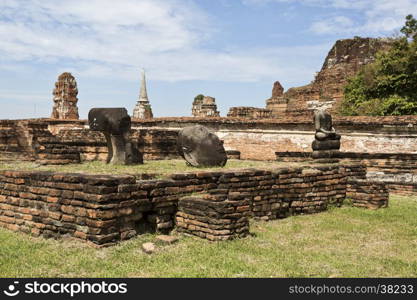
[214, 217]
[367, 194]
[398, 171]
[104, 209]
[89, 207]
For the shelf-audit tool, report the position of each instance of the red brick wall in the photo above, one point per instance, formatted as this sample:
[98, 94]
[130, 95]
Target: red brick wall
[104, 209]
[255, 139]
[398, 171]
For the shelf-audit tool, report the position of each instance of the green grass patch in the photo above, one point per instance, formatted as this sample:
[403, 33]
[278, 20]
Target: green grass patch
[341, 242]
[162, 167]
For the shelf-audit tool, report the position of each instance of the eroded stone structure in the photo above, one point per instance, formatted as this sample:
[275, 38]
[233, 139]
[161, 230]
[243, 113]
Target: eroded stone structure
[200, 147]
[345, 59]
[204, 106]
[325, 92]
[65, 98]
[143, 108]
[277, 104]
[31, 140]
[249, 112]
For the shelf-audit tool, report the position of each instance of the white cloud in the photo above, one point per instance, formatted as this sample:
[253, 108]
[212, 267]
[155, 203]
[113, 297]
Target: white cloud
[117, 38]
[376, 17]
[105, 38]
[380, 17]
[97, 30]
[331, 25]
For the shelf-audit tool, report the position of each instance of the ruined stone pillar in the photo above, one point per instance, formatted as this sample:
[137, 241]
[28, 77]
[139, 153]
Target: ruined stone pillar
[65, 98]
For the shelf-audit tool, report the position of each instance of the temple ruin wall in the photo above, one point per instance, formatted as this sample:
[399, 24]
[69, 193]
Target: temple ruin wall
[104, 209]
[367, 138]
[257, 140]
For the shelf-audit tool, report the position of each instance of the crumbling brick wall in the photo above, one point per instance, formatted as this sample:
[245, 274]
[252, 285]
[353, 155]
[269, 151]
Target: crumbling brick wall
[104, 209]
[153, 143]
[398, 171]
[367, 194]
[32, 140]
[344, 59]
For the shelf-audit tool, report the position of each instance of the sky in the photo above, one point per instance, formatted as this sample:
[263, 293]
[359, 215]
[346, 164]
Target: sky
[233, 50]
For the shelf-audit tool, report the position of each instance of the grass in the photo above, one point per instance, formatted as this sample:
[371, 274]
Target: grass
[341, 242]
[162, 167]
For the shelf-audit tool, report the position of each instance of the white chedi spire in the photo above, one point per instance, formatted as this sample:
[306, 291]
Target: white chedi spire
[142, 109]
[143, 94]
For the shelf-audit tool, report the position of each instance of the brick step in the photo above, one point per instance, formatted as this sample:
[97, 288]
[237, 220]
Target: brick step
[56, 161]
[58, 151]
[49, 141]
[10, 156]
[55, 146]
[58, 156]
[7, 133]
[9, 148]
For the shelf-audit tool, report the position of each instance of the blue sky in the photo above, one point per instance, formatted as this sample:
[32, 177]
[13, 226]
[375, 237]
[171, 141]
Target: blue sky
[232, 50]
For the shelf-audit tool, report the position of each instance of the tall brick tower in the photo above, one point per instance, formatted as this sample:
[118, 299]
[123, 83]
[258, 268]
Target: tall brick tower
[65, 98]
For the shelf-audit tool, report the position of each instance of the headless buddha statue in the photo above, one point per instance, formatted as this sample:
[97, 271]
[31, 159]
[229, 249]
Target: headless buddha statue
[327, 140]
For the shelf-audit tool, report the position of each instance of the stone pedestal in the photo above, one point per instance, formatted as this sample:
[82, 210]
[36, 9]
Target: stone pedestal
[326, 156]
[326, 145]
[319, 154]
[326, 151]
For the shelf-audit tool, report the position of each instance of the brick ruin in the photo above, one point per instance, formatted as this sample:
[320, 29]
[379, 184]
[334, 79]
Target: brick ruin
[65, 98]
[344, 60]
[277, 104]
[31, 140]
[105, 209]
[377, 157]
[249, 112]
[367, 194]
[204, 106]
[386, 145]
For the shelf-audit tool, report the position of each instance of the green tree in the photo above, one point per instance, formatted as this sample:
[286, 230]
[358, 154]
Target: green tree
[388, 86]
[198, 99]
[410, 27]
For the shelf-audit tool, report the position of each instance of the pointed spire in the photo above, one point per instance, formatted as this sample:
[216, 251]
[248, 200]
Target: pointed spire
[142, 109]
[143, 96]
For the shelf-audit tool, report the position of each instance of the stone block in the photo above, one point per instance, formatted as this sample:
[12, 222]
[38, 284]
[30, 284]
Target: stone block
[325, 154]
[167, 239]
[326, 145]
